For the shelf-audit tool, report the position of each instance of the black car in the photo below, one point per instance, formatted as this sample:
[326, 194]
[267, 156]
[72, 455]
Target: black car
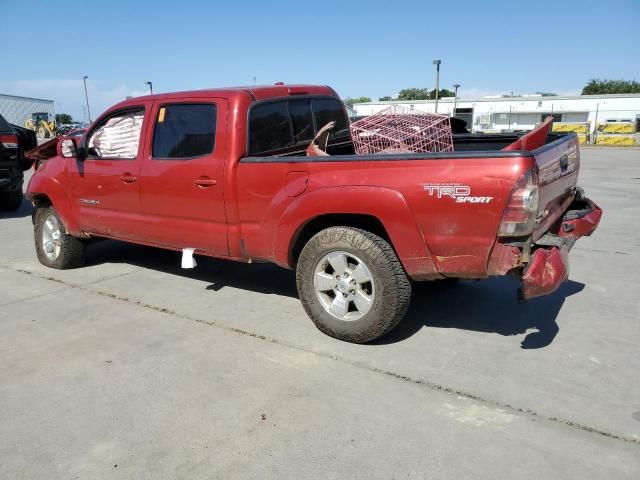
[14, 141]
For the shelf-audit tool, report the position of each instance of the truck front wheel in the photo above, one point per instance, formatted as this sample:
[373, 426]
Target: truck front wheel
[54, 246]
[352, 284]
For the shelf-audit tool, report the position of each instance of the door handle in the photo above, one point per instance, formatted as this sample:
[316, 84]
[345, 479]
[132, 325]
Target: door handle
[128, 178]
[204, 182]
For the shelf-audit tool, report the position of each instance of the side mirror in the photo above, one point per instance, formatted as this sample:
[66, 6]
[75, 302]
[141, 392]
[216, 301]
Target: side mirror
[67, 148]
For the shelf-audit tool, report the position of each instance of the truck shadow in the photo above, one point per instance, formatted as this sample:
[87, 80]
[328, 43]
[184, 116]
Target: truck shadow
[487, 306]
[258, 277]
[24, 210]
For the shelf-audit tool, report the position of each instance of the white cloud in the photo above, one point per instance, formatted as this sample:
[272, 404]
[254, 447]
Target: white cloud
[478, 92]
[472, 93]
[68, 94]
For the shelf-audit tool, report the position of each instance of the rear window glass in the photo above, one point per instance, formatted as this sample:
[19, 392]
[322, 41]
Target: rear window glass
[327, 110]
[302, 120]
[288, 125]
[184, 131]
[269, 127]
[4, 126]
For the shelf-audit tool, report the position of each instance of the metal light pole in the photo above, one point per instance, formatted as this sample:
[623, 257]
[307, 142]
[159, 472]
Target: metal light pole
[455, 98]
[150, 86]
[437, 64]
[86, 97]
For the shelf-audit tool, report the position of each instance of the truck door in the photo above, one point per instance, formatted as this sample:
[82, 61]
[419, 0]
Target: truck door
[182, 175]
[104, 186]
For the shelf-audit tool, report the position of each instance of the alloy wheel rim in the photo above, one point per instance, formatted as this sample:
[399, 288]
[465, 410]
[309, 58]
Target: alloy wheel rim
[344, 285]
[51, 237]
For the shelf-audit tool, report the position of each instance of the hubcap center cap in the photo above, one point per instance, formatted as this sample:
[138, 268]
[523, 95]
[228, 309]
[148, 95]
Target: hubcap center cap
[343, 286]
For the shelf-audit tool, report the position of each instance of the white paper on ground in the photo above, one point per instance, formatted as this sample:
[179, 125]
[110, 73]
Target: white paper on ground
[187, 258]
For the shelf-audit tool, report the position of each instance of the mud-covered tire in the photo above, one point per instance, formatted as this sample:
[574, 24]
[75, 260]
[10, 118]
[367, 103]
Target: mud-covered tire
[10, 201]
[71, 251]
[390, 286]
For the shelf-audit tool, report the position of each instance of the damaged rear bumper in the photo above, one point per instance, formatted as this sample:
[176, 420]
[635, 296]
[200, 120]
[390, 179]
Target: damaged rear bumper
[549, 263]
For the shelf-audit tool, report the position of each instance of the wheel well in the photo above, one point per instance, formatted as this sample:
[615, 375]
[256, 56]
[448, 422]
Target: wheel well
[365, 222]
[39, 200]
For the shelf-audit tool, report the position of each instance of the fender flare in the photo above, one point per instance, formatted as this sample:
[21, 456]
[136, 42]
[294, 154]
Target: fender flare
[51, 188]
[387, 205]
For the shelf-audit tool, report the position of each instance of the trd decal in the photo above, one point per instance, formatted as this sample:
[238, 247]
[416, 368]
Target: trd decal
[88, 201]
[460, 193]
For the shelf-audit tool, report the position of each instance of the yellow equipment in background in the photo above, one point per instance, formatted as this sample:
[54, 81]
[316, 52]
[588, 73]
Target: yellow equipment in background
[615, 140]
[617, 127]
[40, 123]
[570, 127]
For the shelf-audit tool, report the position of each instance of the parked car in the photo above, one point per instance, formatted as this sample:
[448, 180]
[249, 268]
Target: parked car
[62, 130]
[76, 132]
[14, 141]
[223, 172]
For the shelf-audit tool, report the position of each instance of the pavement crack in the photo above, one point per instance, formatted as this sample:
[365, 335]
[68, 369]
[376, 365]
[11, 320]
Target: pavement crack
[112, 277]
[33, 297]
[528, 412]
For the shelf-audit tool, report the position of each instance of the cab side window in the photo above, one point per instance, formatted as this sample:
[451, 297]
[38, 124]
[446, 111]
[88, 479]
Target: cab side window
[184, 131]
[118, 137]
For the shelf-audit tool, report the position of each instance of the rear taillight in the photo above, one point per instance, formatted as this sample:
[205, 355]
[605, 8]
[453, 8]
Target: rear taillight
[519, 217]
[9, 141]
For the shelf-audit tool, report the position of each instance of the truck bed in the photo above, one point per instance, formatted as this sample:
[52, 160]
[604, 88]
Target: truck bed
[462, 142]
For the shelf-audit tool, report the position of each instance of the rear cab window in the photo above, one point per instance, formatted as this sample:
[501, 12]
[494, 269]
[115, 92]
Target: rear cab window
[184, 130]
[326, 110]
[269, 127]
[286, 126]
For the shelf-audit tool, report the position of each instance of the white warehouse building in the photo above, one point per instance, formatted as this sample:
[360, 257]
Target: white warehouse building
[502, 114]
[18, 110]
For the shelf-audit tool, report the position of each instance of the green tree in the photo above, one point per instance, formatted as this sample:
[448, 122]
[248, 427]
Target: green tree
[63, 118]
[414, 94]
[350, 101]
[386, 98]
[604, 87]
[443, 93]
[423, 94]
[547, 94]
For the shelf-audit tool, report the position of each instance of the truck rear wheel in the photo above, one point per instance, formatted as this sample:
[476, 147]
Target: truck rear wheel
[54, 246]
[352, 284]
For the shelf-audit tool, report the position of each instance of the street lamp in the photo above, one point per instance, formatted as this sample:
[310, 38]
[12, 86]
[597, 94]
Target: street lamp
[86, 97]
[150, 86]
[455, 98]
[437, 64]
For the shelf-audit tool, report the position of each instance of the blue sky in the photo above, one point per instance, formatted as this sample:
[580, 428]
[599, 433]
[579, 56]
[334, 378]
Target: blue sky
[358, 47]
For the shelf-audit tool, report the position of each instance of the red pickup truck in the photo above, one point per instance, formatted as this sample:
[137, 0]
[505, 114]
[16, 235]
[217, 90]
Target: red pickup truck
[224, 172]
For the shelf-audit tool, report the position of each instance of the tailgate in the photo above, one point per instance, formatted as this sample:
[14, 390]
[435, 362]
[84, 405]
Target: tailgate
[558, 164]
